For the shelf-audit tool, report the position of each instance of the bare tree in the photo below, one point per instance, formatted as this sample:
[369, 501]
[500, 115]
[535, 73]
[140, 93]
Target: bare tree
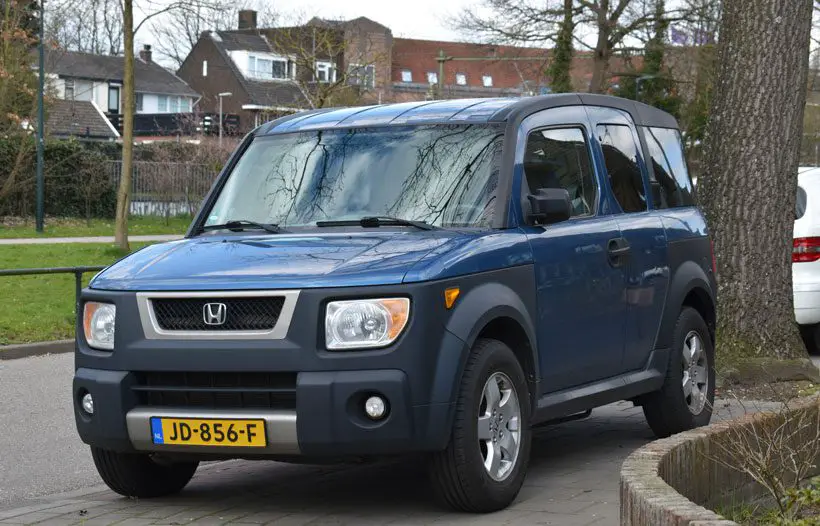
[331, 62]
[612, 22]
[89, 26]
[150, 10]
[752, 147]
[176, 32]
[124, 191]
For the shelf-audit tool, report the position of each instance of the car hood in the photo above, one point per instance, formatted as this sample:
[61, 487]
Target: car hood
[280, 261]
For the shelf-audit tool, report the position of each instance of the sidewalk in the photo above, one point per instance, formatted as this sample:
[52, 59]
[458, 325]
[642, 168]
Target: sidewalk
[96, 239]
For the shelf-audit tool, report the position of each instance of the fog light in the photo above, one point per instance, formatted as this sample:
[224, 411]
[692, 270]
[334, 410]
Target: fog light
[375, 407]
[88, 403]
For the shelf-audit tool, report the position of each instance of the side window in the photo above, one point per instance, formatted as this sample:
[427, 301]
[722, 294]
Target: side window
[671, 185]
[559, 158]
[621, 158]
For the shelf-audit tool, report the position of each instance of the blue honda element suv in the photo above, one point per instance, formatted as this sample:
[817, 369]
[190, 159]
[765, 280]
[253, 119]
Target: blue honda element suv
[426, 277]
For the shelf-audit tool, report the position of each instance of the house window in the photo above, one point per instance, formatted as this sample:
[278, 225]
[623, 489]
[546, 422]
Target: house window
[487, 80]
[406, 75]
[279, 69]
[267, 68]
[432, 77]
[162, 103]
[113, 99]
[364, 76]
[325, 72]
[204, 68]
[461, 79]
[69, 89]
[139, 102]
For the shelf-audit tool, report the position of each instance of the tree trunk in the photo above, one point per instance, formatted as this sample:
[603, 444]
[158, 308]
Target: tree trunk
[749, 183]
[560, 68]
[124, 192]
[600, 57]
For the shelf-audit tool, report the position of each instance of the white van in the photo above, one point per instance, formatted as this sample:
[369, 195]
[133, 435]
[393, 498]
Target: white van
[806, 256]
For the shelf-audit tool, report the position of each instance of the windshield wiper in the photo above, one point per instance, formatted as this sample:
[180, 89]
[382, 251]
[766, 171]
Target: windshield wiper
[376, 221]
[238, 225]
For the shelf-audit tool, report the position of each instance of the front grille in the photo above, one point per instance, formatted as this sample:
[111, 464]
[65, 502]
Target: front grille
[240, 314]
[254, 390]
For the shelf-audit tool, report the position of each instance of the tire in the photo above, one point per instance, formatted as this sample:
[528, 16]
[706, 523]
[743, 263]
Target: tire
[458, 474]
[138, 475]
[809, 334]
[669, 410]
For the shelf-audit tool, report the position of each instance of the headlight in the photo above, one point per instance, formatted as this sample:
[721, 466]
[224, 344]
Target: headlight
[98, 324]
[361, 324]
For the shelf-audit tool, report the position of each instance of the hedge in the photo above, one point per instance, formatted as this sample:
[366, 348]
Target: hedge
[77, 178]
[76, 184]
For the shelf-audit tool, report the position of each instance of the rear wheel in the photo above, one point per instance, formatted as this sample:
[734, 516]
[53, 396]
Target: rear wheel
[139, 475]
[685, 400]
[485, 463]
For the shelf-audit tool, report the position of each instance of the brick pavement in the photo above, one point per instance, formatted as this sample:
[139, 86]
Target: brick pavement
[572, 481]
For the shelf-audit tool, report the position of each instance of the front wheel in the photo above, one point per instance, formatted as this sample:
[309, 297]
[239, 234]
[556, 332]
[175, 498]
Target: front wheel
[685, 400]
[485, 462]
[139, 475]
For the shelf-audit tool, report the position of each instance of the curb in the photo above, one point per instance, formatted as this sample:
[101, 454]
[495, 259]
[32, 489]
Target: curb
[27, 350]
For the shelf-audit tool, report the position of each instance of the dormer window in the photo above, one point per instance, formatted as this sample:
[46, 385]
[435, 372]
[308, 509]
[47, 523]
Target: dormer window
[267, 68]
[325, 72]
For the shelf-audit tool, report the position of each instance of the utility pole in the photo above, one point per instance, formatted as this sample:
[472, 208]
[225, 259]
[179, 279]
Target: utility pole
[40, 117]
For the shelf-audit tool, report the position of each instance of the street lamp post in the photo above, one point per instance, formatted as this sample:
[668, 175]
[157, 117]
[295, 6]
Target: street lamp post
[40, 116]
[221, 95]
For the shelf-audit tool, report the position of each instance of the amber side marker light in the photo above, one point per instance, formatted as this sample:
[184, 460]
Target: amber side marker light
[450, 296]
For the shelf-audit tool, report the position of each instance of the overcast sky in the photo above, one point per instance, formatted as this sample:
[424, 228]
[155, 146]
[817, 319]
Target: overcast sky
[411, 18]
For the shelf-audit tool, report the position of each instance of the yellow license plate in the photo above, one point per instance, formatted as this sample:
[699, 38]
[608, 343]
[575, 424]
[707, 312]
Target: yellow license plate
[208, 432]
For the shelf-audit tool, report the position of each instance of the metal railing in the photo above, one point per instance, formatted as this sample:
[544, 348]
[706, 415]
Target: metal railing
[77, 271]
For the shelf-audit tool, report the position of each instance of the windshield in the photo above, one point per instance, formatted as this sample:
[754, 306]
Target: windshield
[443, 175]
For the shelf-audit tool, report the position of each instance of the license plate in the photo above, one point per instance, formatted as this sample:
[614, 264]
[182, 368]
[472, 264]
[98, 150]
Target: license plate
[208, 432]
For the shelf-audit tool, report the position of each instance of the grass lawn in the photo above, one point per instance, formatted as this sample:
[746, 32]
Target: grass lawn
[40, 308]
[72, 227]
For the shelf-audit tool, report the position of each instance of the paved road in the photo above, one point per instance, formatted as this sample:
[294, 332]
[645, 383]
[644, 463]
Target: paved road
[573, 478]
[41, 453]
[94, 239]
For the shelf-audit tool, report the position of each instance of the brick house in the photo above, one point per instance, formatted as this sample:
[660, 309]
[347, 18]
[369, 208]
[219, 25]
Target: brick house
[88, 92]
[274, 71]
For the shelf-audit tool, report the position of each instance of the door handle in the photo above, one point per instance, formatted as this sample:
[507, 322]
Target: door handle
[618, 249]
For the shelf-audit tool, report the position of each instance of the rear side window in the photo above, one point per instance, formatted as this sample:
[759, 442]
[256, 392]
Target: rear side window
[671, 185]
[621, 159]
[800, 204]
[559, 158]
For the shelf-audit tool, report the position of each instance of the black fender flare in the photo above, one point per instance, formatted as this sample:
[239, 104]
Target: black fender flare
[473, 312]
[689, 276]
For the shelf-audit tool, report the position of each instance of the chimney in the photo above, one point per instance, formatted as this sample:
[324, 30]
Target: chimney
[247, 19]
[145, 53]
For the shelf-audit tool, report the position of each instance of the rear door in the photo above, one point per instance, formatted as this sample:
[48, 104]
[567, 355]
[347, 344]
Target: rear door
[643, 238]
[581, 305]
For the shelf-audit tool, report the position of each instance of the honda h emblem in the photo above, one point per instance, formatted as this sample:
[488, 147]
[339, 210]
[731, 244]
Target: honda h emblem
[214, 313]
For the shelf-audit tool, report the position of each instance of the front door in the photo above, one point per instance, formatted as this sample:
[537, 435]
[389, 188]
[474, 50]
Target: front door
[113, 99]
[581, 305]
[642, 232]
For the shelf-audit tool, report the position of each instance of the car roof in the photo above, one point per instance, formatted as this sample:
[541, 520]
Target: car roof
[458, 111]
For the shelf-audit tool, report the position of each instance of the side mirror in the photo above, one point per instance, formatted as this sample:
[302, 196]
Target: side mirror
[549, 205]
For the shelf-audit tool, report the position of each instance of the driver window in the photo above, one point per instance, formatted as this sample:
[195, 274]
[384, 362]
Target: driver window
[559, 158]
